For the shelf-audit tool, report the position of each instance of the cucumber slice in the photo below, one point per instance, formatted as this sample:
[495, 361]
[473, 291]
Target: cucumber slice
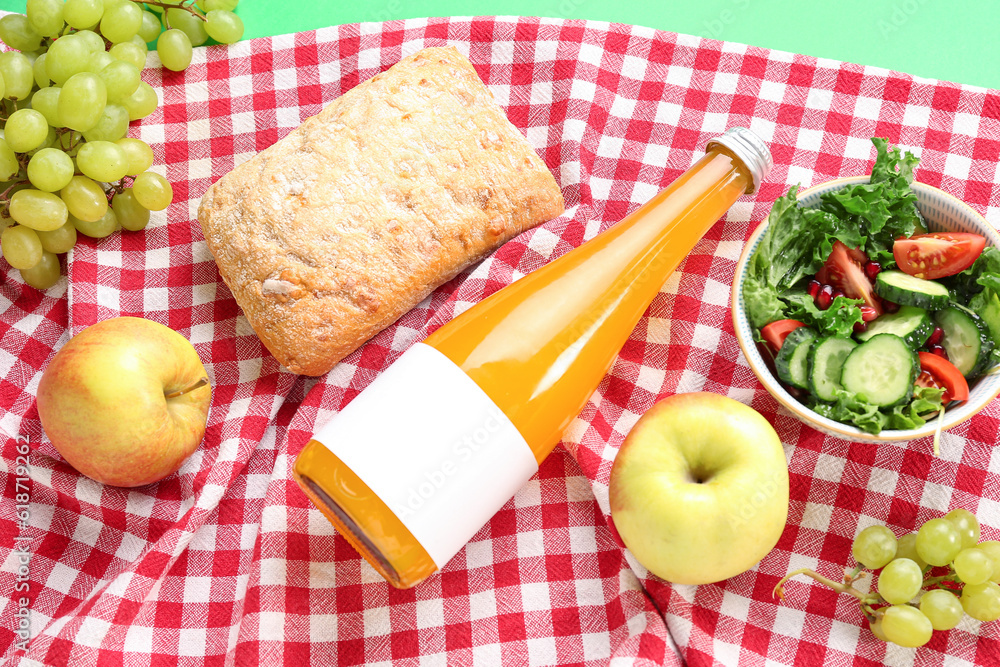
[826, 364]
[881, 370]
[792, 362]
[914, 325]
[966, 339]
[907, 290]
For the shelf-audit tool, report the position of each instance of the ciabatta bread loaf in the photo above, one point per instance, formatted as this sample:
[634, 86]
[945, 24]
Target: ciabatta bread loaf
[332, 233]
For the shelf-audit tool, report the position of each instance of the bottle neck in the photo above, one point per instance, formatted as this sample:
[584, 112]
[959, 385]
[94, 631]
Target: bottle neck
[540, 347]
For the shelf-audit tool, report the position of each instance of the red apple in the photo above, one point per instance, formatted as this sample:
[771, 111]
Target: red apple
[125, 401]
[699, 489]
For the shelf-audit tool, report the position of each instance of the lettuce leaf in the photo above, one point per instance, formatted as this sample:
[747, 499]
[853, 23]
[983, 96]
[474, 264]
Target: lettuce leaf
[837, 320]
[850, 409]
[883, 209]
[794, 246]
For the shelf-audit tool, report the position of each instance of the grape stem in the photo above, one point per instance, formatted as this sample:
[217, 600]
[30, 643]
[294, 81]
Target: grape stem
[779, 590]
[187, 5]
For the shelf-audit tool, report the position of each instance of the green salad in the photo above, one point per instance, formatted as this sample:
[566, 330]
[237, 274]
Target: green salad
[870, 319]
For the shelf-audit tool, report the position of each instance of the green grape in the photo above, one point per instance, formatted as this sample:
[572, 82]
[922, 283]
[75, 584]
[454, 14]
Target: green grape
[102, 161]
[17, 32]
[224, 26]
[973, 566]
[82, 101]
[97, 229]
[938, 542]
[227, 5]
[18, 75]
[130, 53]
[187, 23]
[21, 246]
[42, 211]
[966, 524]
[942, 608]
[112, 126]
[906, 547]
[46, 16]
[141, 103]
[85, 199]
[137, 40]
[140, 155]
[59, 240]
[876, 628]
[50, 169]
[8, 162]
[906, 626]
[83, 13]
[982, 601]
[45, 273]
[67, 56]
[992, 549]
[900, 581]
[152, 191]
[149, 30]
[99, 61]
[3, 86]
[121, 22]
[39, 71]
[25, 131]
[874, 547]
[46, 102]
[92, 40]
[174, 48]
[132, 215]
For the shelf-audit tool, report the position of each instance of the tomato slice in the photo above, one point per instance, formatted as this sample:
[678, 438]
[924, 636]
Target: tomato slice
[937, 254]
[939, 373]
[848, 276]
[776, 332]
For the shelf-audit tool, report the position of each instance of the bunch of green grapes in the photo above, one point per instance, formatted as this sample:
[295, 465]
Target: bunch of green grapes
[68, 92]
[928, 581]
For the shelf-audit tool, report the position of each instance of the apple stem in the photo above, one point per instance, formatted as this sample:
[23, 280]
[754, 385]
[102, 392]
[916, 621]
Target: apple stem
[202, 381]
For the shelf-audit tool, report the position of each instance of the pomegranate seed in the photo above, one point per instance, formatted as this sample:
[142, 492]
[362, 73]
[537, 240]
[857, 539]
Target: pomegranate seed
[837, 293]
[939, 351]
[868, 313]
[889, 306]
[824, 298]
[872, 269]
[860, 327]
[935, 337]
[813, 288]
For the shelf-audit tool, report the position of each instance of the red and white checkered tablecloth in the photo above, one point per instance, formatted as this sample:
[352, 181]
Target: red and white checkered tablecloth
[226, 563]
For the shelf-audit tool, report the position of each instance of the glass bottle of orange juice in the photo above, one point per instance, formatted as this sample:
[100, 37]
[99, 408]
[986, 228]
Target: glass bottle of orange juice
[421, 459]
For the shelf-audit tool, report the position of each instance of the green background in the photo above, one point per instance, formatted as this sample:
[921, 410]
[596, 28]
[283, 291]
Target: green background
[943, 39]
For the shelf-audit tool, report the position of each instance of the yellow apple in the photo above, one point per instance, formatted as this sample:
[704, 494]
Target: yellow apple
[699, 488]
[125, 401]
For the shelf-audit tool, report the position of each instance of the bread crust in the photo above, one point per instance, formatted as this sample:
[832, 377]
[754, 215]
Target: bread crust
[338, 229]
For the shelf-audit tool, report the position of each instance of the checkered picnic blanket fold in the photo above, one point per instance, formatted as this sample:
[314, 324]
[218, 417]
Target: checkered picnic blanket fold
[226, 562]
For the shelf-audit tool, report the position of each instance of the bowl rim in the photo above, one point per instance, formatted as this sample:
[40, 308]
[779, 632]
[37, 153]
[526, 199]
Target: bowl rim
[759, 368]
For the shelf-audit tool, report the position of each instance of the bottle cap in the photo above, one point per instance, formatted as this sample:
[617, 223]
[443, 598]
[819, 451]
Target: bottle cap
[751, 150]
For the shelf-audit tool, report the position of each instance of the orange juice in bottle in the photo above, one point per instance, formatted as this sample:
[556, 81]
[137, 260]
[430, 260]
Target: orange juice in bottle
[419, 461]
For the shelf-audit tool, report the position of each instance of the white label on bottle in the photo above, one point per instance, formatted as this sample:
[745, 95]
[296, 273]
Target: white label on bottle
[434, 447]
